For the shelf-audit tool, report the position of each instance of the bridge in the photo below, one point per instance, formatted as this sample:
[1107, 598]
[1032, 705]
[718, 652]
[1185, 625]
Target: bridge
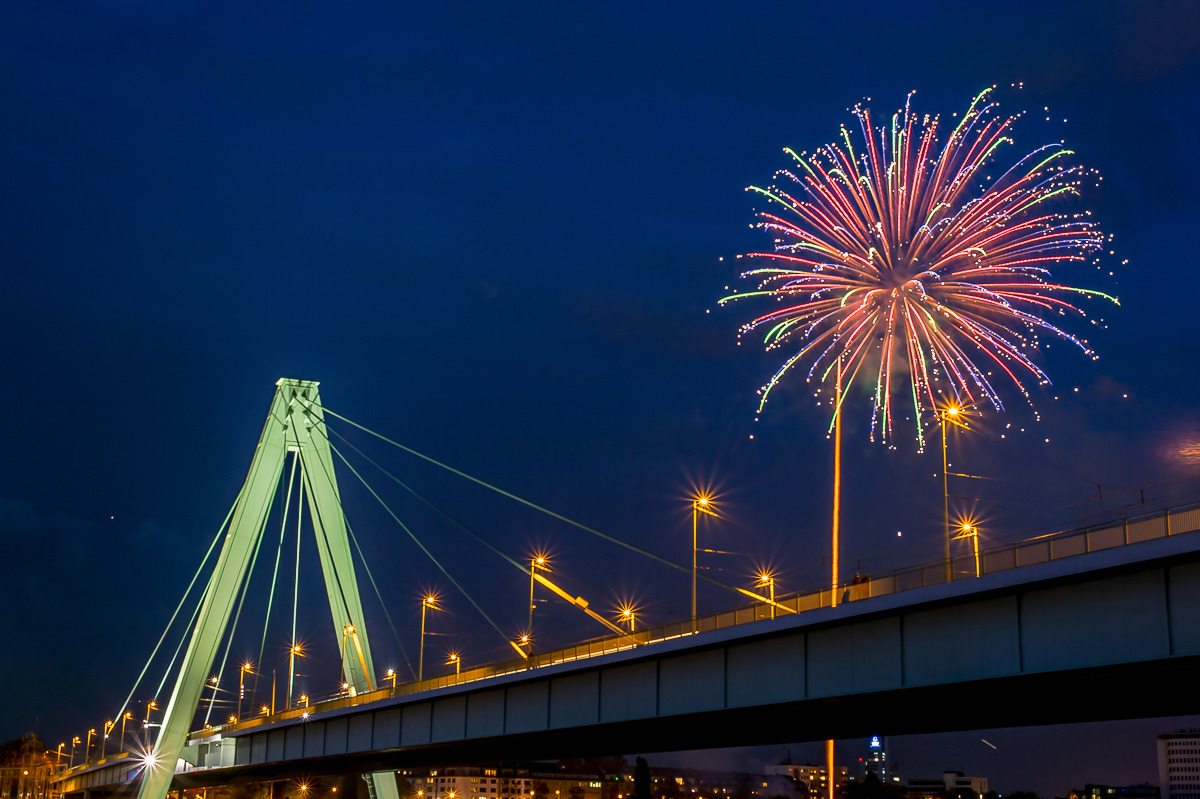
[1100, 623]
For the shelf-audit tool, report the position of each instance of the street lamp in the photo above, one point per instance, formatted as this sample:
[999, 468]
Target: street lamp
[151, 705]
[457, 661]
[768, 579]
[628, 615]
[87, 748]
[245, 667]
[951, 413]
[535, 563]
[294, 651]
[971, 531]
[74, 743]
[126, 716]
[700, 504]
[429, 601]
[391, 675]
[108, 725]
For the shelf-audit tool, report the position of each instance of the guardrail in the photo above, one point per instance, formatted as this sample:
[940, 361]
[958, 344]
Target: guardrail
[1124, 532]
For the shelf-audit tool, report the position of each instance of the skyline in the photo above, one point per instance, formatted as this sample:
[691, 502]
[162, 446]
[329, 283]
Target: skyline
[500, 236]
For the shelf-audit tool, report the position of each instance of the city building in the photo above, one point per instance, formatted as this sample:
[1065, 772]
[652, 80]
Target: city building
[949, 783]
[806, 779]
[534, 781]
[1179, 764]
[876, 761]
[1090, 791]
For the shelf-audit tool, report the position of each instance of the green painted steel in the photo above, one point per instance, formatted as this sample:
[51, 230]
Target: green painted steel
[295, 423]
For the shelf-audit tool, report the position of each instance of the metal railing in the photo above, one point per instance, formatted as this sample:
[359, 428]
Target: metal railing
[1053, 546]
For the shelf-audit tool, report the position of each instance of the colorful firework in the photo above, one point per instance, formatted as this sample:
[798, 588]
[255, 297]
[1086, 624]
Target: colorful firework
[908, 262]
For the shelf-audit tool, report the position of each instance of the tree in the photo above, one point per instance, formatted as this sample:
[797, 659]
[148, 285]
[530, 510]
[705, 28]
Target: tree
[641, 779]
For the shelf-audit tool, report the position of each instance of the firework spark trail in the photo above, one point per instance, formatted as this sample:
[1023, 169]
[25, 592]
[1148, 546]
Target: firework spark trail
[909, 262]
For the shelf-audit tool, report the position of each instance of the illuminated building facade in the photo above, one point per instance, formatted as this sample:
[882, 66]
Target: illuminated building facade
[1179, 764]
[813, 777]
[482, 782]
[949, 782]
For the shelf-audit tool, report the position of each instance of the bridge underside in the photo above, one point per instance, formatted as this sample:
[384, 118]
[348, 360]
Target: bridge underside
[1125, 691]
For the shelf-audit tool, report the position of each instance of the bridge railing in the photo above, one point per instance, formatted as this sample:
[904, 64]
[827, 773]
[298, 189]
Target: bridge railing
[1053, 546]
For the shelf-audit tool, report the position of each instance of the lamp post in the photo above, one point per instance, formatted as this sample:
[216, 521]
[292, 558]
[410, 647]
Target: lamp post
[108, 725]
[700, 504]
[768, 579]
[151, 705]
[971, 531]
[429, 601]
[74, 743]
[126, 716]
[457, 661]
[951, 413]
[60, 748]
[837, 518]
[628, 615]
[391, 675]
[87, 747]
[295, 651]
[537, 562]
[245, 667]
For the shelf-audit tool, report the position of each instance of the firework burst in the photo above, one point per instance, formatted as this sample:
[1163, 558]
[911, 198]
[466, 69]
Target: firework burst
[908, 262]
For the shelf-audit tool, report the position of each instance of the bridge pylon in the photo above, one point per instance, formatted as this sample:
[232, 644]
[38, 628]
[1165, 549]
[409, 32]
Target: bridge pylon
[295, 424]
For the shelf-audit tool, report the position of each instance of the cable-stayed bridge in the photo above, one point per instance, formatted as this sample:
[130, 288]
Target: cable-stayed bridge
[1093, 624]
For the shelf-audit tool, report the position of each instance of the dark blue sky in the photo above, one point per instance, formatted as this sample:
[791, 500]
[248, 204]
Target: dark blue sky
[493, 233]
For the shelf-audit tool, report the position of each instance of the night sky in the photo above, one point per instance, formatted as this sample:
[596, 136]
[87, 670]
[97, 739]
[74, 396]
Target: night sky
[494, 232]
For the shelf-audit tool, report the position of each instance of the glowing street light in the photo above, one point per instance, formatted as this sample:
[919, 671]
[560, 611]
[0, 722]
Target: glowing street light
[538, 561]
[245, 667]
[768, 579]
[700, 504]
[628, 614]
[953, 414]
[126, 716]
[151, 705]
[457, 661]
[294, 651]
[88, 746]
[108, 725]
[971, 531]
[391, 675]
[429, 601]
[74, 743]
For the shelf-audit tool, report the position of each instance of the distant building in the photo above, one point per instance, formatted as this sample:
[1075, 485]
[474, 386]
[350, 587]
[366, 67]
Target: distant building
[1090, 791]
[1179, 764]
[876, 761]
[812, 778]
[950, 782]
[535, 781]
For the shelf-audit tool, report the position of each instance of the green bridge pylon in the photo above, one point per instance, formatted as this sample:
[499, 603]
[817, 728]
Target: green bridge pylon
[295, 424]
